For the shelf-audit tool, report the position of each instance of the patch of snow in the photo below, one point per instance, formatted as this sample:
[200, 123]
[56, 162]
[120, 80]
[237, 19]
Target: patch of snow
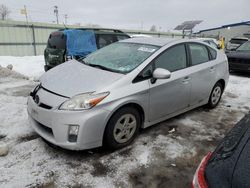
[239, 87]
[144, 157]
[31, 66]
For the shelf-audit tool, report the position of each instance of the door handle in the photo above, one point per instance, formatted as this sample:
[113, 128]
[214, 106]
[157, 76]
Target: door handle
[211, 69]
[186, 79]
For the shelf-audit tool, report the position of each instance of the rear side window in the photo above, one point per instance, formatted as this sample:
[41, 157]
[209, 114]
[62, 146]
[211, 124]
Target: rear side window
[213, 53]
[199, 53]
[172, 59]
[57, 40]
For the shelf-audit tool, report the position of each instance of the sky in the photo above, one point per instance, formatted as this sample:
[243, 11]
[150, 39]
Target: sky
[134, 14]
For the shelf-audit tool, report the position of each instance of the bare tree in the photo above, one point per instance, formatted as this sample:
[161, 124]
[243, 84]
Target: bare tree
[4, 12]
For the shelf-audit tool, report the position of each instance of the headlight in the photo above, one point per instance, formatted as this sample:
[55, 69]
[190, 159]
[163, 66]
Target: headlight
[83, 101]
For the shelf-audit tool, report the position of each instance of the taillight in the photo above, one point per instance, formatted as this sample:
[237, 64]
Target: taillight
[199, 180]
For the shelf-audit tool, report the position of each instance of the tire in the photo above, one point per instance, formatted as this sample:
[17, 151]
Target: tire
[46, 68]
[118, 133]
[215, 95]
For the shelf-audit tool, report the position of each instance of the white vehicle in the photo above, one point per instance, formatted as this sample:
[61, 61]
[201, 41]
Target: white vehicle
[107, 97]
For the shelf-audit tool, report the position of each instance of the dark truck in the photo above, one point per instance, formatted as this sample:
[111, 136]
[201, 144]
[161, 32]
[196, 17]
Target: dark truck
[67, 44]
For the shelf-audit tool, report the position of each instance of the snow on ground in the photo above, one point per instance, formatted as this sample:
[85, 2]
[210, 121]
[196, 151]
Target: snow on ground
[31, 66]
[158, 158]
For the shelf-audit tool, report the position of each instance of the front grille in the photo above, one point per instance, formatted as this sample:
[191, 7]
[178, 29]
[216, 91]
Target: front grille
[238, 60]
[44, 128]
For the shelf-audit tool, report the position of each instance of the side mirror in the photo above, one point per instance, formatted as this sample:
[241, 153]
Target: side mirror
[160, 73]
[218, 47]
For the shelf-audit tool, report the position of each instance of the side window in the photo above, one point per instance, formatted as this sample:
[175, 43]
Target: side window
[121, 37]
[199, 53]
[213, 53]
[172, 59]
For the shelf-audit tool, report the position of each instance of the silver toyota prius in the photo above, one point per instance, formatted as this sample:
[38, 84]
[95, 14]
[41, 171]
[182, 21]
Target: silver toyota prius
[106, 98]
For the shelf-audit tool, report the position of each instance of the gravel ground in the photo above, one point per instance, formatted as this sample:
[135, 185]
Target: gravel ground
[164, 155]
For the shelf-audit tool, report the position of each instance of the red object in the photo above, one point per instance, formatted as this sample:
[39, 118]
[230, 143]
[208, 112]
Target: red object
[199, 180]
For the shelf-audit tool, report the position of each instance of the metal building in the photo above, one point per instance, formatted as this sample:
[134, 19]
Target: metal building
[241, 29]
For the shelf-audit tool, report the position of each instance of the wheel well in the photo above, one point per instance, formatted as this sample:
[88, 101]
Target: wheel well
[134, 105]
[137, 107]
[222, 83]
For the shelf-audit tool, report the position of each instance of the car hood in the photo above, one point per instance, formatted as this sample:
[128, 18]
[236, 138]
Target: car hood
[72, 78]
[239, 54]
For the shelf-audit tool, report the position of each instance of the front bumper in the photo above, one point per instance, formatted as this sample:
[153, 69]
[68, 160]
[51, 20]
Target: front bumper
[237, 66]
[53, 125]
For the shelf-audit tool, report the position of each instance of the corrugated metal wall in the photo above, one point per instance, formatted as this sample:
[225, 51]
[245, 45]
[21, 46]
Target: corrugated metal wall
[228, 33]
[26, 39]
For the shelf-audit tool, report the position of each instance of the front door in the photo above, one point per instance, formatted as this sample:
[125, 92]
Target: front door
[170, 95]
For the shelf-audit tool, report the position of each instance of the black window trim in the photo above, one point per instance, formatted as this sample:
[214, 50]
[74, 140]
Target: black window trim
[139, 79]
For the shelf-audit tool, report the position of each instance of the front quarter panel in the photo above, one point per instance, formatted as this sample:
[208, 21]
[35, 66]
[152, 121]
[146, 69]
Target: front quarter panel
[136, 93]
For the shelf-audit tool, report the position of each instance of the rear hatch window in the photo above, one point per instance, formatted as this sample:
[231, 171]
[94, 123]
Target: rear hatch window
[57, 40]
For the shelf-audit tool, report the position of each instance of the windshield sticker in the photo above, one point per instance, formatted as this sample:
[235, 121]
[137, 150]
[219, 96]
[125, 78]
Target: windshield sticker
[144, 49]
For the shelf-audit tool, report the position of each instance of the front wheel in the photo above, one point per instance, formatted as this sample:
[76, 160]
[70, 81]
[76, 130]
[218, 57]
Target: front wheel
[215, 95]
[122, 128]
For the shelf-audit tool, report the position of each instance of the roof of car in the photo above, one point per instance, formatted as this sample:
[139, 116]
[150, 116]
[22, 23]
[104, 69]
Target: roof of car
[151, 40]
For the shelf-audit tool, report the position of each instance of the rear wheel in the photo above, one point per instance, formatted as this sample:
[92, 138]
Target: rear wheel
[215, 95]
[122, 128]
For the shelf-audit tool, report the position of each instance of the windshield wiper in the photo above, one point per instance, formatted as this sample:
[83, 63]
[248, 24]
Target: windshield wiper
[100, 67]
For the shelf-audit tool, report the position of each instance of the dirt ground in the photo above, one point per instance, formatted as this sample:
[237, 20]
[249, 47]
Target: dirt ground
[164, 155]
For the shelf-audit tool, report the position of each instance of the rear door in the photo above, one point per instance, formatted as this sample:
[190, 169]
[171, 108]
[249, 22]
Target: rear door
[170, 95]
[202, 68]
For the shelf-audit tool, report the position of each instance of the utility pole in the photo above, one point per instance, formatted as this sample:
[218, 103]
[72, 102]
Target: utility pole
[65, 18]
[56, 13]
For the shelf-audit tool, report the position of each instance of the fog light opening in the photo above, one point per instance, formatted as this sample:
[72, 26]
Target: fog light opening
[73, 133]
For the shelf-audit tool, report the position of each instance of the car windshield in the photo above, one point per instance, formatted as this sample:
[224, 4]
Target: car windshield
[120, 57]
[244, 47]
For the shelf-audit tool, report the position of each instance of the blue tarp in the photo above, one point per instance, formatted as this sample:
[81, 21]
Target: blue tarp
[80, 42]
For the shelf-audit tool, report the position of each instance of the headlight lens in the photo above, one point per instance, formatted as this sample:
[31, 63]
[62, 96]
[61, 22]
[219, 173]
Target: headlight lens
[83, 101]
